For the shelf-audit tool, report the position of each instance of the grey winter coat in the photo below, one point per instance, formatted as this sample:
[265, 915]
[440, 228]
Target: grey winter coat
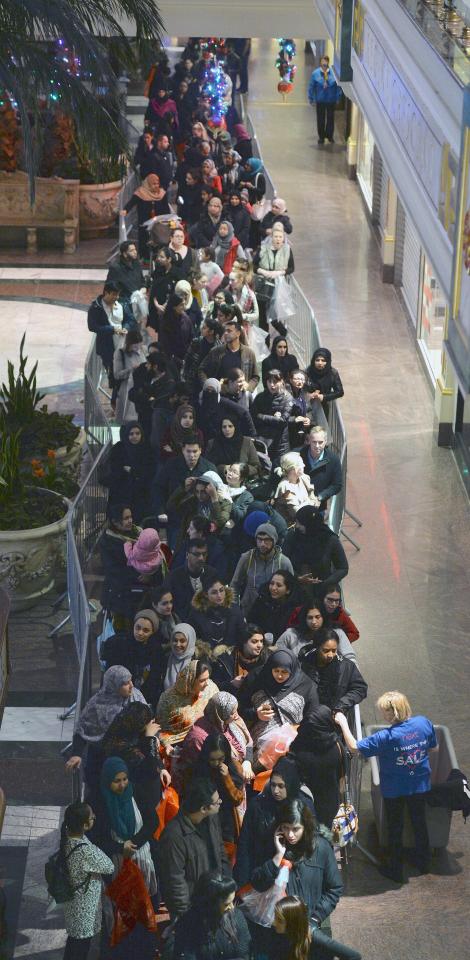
[252, 571]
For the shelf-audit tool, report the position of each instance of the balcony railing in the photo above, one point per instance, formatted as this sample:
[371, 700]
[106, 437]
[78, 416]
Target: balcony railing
[446, 26]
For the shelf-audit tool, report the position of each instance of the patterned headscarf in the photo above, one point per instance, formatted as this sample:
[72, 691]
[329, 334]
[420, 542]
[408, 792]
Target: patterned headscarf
[104, 706]
[220, 708]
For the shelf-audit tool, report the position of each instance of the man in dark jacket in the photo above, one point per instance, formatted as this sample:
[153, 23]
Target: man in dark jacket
[99, 313]
[152, 385]
[203, 232]
[322, 465]
[144, 156]
[182, 469]
[164, 161]
[272, 413]
[183, 582]
[191, 845]
[232, 354]
[211, 331]
[127, 273]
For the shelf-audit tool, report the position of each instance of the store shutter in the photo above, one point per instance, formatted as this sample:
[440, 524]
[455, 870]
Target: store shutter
[383, 198]
[408, 261]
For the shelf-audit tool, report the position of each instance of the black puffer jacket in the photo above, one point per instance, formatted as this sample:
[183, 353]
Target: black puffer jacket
[315, 880]
[272, 616]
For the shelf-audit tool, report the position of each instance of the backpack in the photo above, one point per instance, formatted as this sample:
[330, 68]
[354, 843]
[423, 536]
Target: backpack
[59, 885]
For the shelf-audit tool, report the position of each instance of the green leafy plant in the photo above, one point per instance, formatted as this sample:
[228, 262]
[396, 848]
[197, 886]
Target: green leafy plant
[20, 396]
[45, 474]
[21, 506]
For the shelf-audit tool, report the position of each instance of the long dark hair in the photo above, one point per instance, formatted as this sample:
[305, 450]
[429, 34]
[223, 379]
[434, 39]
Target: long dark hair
[296, 811]
[215, 741]
[210, 892]
[302, 619]
[295, 915]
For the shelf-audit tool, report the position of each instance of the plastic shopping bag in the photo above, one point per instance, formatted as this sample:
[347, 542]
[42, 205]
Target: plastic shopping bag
[259, 907]
[282, 304]
[274, 744]
[131, 901]
[166, 809]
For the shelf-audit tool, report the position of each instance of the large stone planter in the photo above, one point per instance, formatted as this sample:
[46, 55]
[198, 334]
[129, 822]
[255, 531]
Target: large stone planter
[72, 458]
[31, 559]
[98, 208]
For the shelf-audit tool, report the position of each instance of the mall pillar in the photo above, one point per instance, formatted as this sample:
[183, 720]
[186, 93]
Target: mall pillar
[389, 235]
[352, 142]
[444, 402]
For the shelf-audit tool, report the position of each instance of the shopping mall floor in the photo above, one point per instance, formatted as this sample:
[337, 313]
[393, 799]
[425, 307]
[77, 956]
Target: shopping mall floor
[408, 586]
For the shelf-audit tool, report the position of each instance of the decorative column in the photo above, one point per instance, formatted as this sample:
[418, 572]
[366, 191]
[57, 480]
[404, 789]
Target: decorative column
[351, 148]
[445, 398]
[389, 234]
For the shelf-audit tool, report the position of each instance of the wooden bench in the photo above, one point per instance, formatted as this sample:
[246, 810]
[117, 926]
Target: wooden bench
[56, 205]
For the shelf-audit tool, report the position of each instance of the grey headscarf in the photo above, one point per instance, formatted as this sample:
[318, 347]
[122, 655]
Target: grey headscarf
[105, 705]
[176, 662]
[222, 244]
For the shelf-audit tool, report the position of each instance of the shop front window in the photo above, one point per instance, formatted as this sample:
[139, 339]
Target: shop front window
[432, 319]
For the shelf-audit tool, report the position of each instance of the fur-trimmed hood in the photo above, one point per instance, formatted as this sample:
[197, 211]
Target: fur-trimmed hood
[201, 602]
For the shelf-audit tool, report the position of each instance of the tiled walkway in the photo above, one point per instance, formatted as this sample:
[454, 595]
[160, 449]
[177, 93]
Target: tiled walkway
[408, 588]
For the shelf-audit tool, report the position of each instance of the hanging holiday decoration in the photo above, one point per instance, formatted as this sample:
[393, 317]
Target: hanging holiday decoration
[214, 80]
[284, 65]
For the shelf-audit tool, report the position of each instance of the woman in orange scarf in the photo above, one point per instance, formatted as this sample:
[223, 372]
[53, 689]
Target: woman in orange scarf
[151, 201]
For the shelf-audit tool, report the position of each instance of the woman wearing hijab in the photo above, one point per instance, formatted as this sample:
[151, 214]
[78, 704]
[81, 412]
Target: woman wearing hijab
[184, 289]
[256, 841]
[130, 470]
[176, 330]
[182, 428]
[253, 179]
[116, 693]
[324, 379]
[279, 359]
[226, 246]
[210, 175]
[125, 825]
[315, 552]
[230, 446]
[139, 651]
[277, 214]
[162, 113]
[151, 201]
[220, 716]
[213, 408]
[277, 695]
[133, 736]
[239, 217]
[182, 704]
[318, 754]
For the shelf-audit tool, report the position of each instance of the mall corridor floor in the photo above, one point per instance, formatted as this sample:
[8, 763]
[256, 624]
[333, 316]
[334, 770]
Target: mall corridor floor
[409, 585]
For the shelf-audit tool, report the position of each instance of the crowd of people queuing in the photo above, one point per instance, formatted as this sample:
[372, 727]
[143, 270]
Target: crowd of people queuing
[228, 657]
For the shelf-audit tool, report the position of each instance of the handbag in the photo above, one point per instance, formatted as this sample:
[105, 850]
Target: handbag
[346, 823]
[263, 287]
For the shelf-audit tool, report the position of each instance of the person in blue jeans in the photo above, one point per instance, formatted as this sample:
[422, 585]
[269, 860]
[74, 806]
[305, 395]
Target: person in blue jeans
[405, 775]
[325, 92]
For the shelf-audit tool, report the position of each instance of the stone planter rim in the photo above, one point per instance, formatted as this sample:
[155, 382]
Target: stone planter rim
[39, 531]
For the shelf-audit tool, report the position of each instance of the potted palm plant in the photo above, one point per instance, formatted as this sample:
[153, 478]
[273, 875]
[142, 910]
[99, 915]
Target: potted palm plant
[33, 521]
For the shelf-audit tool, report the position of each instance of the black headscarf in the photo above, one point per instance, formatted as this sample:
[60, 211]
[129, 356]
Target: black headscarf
[321, 379]
[316, 732]
[134, 451]
[227, 449]
[283, 364]
[288, 661]
[316, 529]
[287, 769]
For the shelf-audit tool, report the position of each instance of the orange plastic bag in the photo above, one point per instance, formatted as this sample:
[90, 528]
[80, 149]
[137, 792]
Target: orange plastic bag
[261, 780]
[166, 809]
[132, 902]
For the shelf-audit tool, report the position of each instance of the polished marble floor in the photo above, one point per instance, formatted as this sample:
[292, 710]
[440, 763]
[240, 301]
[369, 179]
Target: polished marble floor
[409, 586]
[56, 336]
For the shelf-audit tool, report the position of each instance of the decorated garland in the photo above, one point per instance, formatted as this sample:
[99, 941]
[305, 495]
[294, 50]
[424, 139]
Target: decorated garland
[213, 81]
[287, 69]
